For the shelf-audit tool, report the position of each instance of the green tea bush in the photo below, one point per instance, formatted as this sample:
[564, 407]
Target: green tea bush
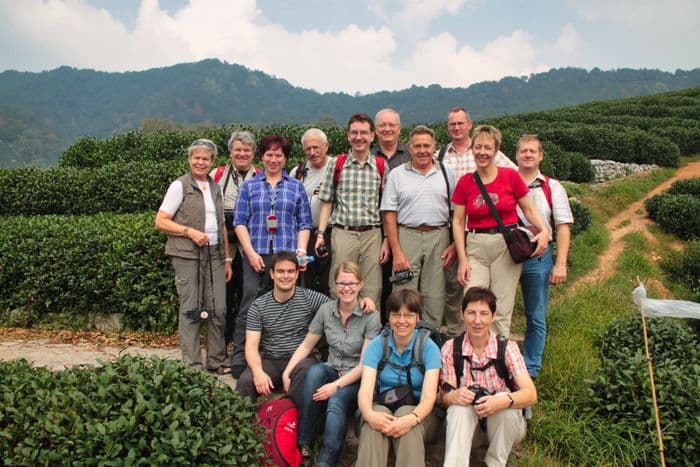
[582, 217]
[581, 169]
[685, 268]
[134, 411]
[620, 392]
[653, 204]
[679, 215]
[105, 263]
[122, 187]
[690, 186]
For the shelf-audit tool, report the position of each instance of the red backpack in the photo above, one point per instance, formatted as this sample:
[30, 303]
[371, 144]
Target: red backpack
[279, 418]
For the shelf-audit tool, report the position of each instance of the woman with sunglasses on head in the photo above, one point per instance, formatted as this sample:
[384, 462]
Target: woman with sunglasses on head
[333, 384]
[192, 215]
[397, 396]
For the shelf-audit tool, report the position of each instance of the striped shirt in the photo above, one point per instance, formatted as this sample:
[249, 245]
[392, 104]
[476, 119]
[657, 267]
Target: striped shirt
[463, 163]
[283, 325]
[488, 378]
[356, 200]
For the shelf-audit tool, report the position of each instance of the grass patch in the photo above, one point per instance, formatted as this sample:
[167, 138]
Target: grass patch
[560, 428]
[607, 199]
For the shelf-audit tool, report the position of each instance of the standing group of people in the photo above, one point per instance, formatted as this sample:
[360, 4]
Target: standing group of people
[408, 218]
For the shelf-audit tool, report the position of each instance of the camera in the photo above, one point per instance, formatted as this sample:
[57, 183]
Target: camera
[322, 250]
[401, 276]
[200, 314]
[478, 391]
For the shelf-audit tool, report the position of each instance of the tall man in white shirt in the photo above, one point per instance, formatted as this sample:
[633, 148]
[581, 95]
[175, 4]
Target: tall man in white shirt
[551, 201]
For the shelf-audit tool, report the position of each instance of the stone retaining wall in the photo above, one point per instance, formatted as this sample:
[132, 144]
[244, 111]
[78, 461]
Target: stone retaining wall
[608, 170]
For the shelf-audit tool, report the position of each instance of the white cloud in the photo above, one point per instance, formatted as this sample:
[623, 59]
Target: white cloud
[441, 56]
[641, 14]
[569, 40]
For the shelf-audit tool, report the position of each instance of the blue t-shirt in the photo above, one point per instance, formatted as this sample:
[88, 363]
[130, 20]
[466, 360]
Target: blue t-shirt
[391, 377]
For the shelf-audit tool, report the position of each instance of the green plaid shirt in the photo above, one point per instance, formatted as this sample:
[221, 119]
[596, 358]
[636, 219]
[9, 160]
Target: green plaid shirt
[356, 200]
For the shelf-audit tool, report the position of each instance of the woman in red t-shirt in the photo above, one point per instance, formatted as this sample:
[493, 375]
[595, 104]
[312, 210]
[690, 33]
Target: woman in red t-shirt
[484, 260]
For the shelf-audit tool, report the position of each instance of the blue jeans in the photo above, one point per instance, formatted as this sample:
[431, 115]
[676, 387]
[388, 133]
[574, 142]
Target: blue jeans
[339, 407]
[535, 285]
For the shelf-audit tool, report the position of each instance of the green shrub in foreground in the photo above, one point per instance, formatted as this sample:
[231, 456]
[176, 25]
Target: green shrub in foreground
[621, 390]
[654, 203]
[135, 411]
[106, 263]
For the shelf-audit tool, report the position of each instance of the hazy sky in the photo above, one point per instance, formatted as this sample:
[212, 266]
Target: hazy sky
[353, 45]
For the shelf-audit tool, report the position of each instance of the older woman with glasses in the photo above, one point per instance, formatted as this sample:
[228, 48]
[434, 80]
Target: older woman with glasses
[192, 216]
[333, 384]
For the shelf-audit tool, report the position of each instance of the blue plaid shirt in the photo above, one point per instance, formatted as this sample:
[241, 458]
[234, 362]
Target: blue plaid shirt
[291, 206]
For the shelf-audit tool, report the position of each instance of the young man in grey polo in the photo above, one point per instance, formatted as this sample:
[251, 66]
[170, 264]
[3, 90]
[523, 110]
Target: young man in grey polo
[416, 209]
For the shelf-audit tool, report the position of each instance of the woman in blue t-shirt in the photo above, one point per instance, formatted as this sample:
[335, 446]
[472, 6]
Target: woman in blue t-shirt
[412, 423]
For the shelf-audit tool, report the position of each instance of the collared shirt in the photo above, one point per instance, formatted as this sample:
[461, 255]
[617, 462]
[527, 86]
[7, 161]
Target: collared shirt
[463, 163]
[345, 340]
[391, 376]
[313, 182]
[230, 183]
[419, 199]
[560, 210]
[488, 378]
[356, 201]
[287, 200]
[401, 156]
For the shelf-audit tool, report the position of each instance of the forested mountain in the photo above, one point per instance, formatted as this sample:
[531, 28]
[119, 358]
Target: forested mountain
[42, 113]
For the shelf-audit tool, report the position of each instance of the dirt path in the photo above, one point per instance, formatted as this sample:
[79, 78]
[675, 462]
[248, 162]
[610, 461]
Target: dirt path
[632, 219]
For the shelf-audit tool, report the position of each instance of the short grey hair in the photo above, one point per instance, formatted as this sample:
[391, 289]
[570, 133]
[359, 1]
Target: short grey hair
[314, 133]
[245, 137]
[203, 143]
[388, 109]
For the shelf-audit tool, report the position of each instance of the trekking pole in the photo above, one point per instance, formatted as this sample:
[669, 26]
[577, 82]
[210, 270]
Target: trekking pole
[653, 388]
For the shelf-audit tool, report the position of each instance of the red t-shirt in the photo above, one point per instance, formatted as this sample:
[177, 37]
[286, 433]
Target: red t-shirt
[505, 191]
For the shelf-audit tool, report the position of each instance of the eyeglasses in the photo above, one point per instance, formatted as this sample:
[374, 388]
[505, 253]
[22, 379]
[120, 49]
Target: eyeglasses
[359, 133]
[387, 125]
[342, 285]
[456, 124]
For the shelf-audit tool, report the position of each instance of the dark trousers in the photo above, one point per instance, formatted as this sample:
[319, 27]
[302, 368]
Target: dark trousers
[274, 369]
[251, 281]
[234, 292]
[316, 275]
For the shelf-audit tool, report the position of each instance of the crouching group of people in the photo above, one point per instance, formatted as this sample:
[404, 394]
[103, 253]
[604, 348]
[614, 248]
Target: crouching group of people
[398, 377]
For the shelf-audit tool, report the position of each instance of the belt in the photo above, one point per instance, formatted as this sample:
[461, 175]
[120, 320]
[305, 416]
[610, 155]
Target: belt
[356, 228]
[492, 230]
[424, 227]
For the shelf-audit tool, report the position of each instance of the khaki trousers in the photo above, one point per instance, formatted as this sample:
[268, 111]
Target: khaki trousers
[492, 267]
[423, 250]
[409, 449]
[503, 429]
[362, 248]
[189, 288]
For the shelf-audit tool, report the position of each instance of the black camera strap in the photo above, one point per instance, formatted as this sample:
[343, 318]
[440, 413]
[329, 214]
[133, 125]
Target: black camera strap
[201, 288]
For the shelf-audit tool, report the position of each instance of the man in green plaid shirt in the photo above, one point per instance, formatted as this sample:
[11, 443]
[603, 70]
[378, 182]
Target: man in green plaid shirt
[352, 207]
